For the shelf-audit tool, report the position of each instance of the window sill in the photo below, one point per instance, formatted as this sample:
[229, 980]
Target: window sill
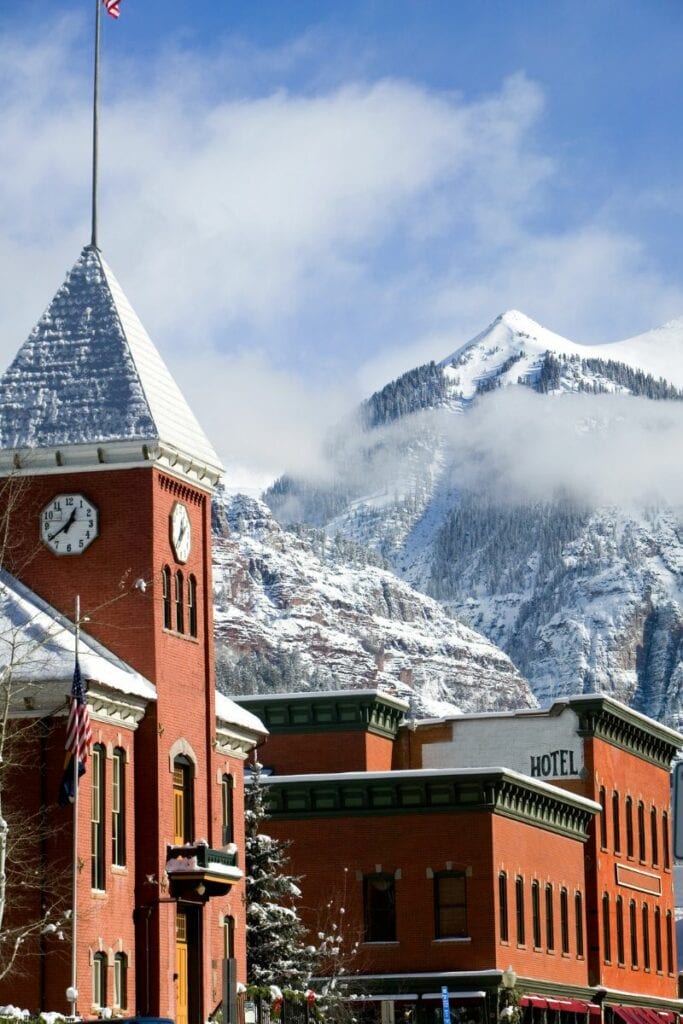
[98, 894]
[119, 869]
[452, 938]
[180, 636]
[380, 942]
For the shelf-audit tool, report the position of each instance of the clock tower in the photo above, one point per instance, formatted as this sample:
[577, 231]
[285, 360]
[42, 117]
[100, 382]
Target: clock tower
[110, 479]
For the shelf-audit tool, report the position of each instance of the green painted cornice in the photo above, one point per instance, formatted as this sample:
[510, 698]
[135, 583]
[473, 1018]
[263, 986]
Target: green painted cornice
[492, 790]
[341, 711]
[609, 720]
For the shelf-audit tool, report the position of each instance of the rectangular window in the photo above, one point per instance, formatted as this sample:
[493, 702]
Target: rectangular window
[99, 980]
[621, 955]
[629, 827]
[641, 831]
[229, 938]
[120, 981]
[536, 914]
[549, 918]
[666, 852]
[603, 818]
[654, 837]
[564, 920]
[183, 826]
[503, 906]
[192, 605]
[633, 925]
[616, 827]
[658, 940]
[97, 818]
[118, 808]
[379, 900]
[226, 807]
[646, 937]
[669, 943]
[519, 910]
[450, 904]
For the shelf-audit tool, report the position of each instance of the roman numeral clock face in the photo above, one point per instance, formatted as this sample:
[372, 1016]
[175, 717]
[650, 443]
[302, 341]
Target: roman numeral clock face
[69, 524]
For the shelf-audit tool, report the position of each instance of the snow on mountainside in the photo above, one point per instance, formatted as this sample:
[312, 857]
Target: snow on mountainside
[294, 610]
[583, 595]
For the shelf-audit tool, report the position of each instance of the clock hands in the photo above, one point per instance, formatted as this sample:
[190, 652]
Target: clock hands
[65, 528]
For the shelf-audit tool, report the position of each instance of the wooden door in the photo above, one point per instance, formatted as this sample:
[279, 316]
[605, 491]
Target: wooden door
[181, 969]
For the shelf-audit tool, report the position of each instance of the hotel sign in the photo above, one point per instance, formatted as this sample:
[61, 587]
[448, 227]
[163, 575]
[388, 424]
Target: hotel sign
[556, 764]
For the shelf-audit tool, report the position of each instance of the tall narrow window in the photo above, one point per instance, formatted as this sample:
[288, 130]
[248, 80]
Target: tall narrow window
[549, 918]
[166, 595]
[450, 905]
[519, 910]
[578, 911]
[97, 818]
[666, 851]
[99, 980]
[616, 828]
[227, 809]
[379, 902]
[120, 981]
[629, 826]
[654, 836]
[536, 913]
[503, 906]
[192, 605]
[633, 926]
[118, 808]
[229, 938]
[183, 827]
[646, 937]
[669, 942]
[603, 818]
[621, 955]
[564, 920]
[658, 940]
[606, 929]
[641, 831]
[179, 608]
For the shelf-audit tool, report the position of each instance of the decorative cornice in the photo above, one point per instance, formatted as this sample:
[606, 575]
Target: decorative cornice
[613, 722]
[98, 456]
[495, 791]
[359, 711]
[47, 700]
[231, 742]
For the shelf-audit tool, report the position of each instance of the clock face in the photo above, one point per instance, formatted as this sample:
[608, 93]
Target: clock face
[69, 524]
[181, 532]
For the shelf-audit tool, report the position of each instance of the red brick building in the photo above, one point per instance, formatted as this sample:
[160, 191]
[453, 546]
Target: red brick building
[538, 840]
[108, 482]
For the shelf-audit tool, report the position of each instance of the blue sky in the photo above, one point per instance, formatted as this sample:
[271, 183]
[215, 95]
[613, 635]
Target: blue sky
[317, 196]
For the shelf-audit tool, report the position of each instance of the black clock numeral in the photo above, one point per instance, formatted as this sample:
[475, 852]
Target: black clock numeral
[87, 534]
[57, 506]
[80, 543]
[56, 544]
[90, 523]
[68, 547]
[69, 502]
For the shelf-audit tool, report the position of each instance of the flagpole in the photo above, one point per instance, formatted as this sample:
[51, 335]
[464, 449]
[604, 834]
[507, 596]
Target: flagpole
[95, 124]
[74, 866]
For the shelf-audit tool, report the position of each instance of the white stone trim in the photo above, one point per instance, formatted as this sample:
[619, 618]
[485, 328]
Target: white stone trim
[182, 746]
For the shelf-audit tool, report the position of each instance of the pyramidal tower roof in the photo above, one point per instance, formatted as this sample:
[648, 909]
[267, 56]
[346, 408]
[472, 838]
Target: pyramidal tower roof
[89, 387]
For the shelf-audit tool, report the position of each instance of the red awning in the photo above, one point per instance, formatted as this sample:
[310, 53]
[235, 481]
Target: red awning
[563, 1005]
[643, 1015]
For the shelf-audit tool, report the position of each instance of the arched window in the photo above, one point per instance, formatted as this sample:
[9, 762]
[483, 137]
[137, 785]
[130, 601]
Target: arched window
[503, 906]
[606, 929]
[669, 942]
[646, 937]
[450, 905]
[654, 836]
[379, 902]
[578, 910]
[183, 809]
[564, 920]
[192, 605]
[616, 828]
[658, 940]
[633, 925]
[629, 826]
[97, 817]
[641, 830]
[519, 910]
[179, 603]
[603, 818]
[666, 852]
[99, 980]
[549, 918]
[166, 595]
[120, 1001]
[227, 786]
[118, 808]
[621, 955]
[536, 913]
[229, 937]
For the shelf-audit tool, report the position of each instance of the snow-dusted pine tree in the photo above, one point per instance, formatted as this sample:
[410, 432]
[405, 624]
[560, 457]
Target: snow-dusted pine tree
[277, 952]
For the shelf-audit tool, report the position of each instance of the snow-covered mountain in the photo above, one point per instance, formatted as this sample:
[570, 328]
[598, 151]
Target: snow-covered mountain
[584, 594]
[294, 609]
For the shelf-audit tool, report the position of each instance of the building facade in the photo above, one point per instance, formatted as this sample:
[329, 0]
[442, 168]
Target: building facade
[107, 496]
[537, 840]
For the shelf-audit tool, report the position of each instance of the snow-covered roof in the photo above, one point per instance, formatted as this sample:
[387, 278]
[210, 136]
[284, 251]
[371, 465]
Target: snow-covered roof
[37, 647]
[232, 714]
[89, 374]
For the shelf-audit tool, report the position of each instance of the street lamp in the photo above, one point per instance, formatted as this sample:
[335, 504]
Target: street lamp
[509, 978]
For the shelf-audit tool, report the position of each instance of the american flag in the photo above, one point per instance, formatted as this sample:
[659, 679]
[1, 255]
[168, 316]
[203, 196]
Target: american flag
[112, 7]
[78, 732]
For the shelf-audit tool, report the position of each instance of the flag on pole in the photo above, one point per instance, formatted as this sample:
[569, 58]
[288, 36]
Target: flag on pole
[112, 7]
[78, 738]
